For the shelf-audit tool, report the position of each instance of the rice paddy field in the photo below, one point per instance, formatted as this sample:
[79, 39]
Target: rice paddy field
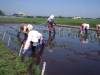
[37, 20]
[65, 53]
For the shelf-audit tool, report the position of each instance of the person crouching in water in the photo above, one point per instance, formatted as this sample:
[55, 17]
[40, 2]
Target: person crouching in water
[22, 35]
[81, 29]
[34, 38]
[84, 28]
[51, 23]
[98, 30]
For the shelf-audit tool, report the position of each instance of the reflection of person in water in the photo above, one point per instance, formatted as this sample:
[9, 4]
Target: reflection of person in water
[84, 38]
[37, 61]
[98, 32]
[51, 37]
[51, 23]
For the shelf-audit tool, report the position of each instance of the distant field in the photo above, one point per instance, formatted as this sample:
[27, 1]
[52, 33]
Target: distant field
[22, 20]
[66, 21]
[92, 22]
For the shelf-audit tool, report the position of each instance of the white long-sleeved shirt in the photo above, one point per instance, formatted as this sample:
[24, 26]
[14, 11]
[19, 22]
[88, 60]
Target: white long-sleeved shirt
[33, 36]
[85, 25]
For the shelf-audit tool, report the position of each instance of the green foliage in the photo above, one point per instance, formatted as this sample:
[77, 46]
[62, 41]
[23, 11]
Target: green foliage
[36, 70]
[42, 20]
[70, 21]
[22, 20]
[2, 13]
[11, 64]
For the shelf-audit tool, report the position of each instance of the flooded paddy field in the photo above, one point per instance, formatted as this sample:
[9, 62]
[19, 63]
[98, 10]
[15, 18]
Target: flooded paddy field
[65, 53]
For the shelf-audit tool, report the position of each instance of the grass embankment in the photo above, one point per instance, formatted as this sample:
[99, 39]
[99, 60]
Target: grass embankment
[65, 21]
[69, 21]
[22, 20]
[11, 64]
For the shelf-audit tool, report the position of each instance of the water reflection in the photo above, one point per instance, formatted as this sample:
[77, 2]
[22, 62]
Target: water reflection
[34, 66]
[65, 37]
[51, 37]
[98, 39]
[98, 36]
[84, 38]
[67, 53]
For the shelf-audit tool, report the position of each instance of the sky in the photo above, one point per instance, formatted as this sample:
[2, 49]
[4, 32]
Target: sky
[67, 8]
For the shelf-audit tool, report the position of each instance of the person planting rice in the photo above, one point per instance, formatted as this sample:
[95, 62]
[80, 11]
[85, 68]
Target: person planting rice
[98, 30]
[32, 40]
[84, 28]
[51, 23]
[22, 35]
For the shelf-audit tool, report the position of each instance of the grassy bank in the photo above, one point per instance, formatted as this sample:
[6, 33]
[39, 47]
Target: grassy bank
[66, 21]
[11, 64]
[70, 21]
[22, 20]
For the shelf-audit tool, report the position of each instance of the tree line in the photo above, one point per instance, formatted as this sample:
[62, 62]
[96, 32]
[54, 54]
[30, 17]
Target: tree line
[2, 13]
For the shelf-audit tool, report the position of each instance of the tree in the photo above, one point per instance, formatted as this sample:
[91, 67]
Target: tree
[2, 13]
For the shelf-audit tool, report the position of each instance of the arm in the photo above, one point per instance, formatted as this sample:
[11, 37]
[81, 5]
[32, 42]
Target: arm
[40, 37]
[27, 43]
[54, 24]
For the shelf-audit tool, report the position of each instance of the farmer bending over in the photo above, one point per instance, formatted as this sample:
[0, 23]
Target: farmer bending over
[84, 28]
[98, 30]
[51, 23]
[34, 38]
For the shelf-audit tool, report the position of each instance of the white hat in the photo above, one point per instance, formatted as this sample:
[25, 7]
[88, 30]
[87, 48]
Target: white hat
[30, 27]
[51, 17]
[98, 25]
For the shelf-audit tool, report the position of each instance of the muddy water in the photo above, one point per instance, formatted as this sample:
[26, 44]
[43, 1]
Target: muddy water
[66, 52]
